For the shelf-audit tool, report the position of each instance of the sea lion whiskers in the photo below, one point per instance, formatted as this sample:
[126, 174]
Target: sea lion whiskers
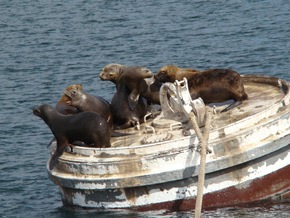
[37, 112]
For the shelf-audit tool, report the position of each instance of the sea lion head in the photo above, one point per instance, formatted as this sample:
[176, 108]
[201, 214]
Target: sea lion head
[74, 96]
[66, 99]
[111, 72]
[42, 111]
[146, 72]
[167, 73]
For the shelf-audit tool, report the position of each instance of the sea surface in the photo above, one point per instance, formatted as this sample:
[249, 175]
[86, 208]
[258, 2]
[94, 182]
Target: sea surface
[47, 45]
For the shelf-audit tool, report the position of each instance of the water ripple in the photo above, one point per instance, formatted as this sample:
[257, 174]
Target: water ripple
[48, 45]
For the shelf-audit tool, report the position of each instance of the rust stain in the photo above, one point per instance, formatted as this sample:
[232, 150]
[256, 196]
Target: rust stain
[133, 193]
[258, 192]
[130, 167]
[130, 195]
[285, 196]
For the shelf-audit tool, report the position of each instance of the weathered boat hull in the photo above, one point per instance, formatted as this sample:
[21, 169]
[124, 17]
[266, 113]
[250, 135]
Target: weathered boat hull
[179, 195]
[250, 161]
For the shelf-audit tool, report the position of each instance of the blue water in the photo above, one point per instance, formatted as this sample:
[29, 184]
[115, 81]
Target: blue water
[47, 45]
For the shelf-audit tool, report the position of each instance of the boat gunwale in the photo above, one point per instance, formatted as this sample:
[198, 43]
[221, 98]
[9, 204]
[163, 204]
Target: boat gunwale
[133, 180]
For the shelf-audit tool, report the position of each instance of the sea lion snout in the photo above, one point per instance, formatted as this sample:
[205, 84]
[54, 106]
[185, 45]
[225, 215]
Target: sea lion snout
[107, 75]
[70, 93]
[36, 111]
[148, 73]
[102, 75]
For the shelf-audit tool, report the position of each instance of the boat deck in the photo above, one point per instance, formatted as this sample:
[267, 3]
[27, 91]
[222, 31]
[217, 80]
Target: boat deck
[260, 97]
[262, 94]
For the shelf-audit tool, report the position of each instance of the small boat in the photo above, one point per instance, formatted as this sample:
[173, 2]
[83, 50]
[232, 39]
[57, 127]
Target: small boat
[156, 166]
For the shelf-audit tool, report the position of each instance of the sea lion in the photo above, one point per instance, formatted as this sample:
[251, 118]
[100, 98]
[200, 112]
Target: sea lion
[62, 106]
[88, 127]
[139, 80]
[213, 85]
[83, 101]
[125, 116]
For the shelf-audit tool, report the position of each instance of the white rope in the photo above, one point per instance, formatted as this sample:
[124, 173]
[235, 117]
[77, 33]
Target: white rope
[203, 143]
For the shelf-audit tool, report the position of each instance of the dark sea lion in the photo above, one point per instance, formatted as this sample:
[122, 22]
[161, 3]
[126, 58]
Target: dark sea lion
[123, 115]
[88, 127]
[139, 80]
[83, 101]
[62, 106]
[213, 85]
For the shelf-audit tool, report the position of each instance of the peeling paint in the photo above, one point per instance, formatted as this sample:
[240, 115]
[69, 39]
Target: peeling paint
[82, 185]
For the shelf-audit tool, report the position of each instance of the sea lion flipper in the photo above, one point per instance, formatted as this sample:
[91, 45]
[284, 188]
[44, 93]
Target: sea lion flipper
[235, 104]
[118, 134]
[133, 99]
[50, 143]
[54, 159]
[60, 146]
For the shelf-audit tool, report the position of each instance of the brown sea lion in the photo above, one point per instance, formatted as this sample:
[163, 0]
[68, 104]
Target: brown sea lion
[83, 101]
[62, 106]
[213, 85]
[125, 116]
[88, 127]
[139, 80]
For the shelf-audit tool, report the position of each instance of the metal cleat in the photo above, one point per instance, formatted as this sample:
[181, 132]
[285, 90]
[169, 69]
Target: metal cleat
[176, 103]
